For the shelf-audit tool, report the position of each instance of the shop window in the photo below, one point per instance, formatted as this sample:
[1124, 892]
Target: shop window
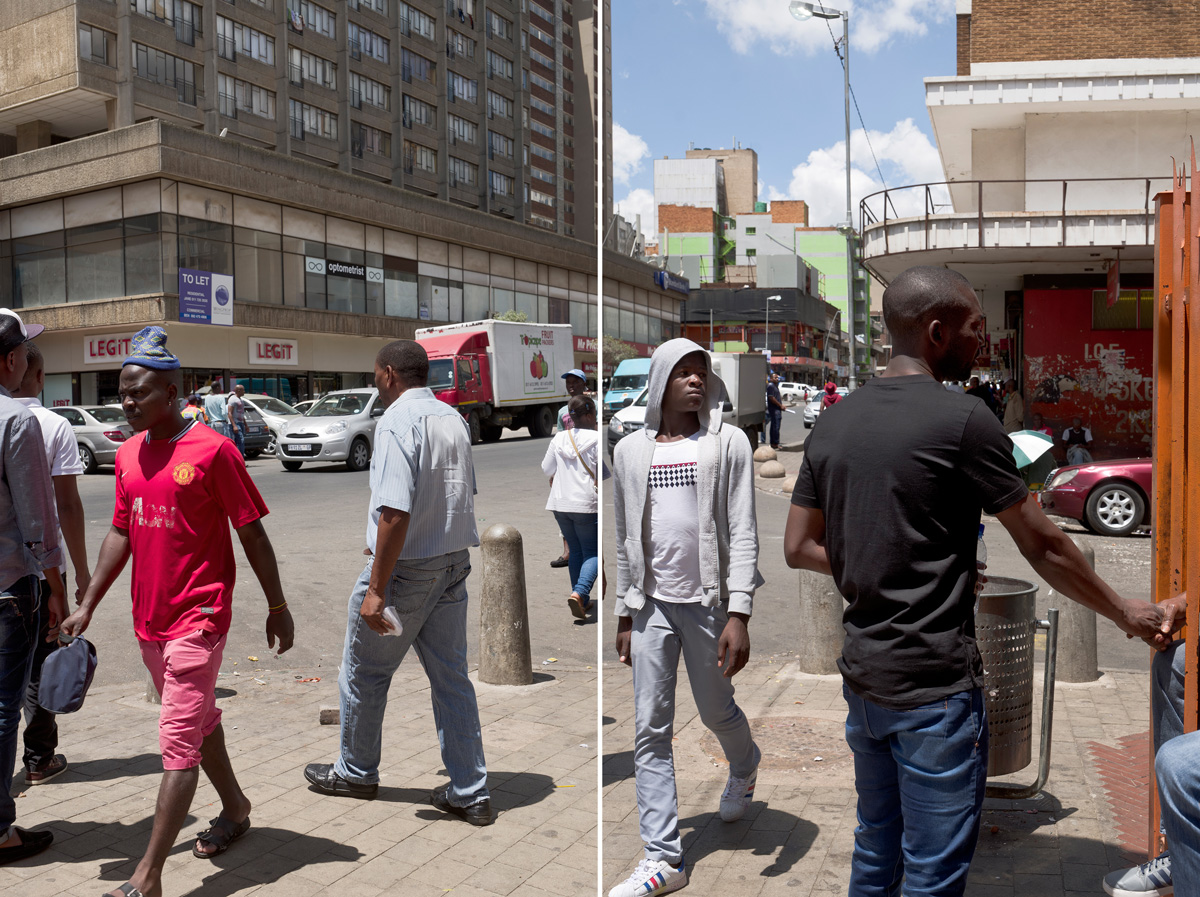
[527, 303]
[314, 290]
[258, 274]
[293, 280]
[40, 278]
[475, 302]
[502, 300]
[579, 318]
[96, 271]
[347, 294]
[559, 311]
[143, 265]
[1133, 310]
[400, 294]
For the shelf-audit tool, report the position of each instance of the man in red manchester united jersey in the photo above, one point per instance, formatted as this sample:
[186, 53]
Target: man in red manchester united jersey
[180, 485]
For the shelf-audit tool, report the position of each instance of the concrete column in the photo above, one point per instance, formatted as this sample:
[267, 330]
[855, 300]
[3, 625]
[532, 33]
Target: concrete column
[504, 655]
[821, 633]
[33, 135]
[1076, 632]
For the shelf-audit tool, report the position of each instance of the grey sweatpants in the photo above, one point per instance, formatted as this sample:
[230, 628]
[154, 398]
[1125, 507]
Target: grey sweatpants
[660, 631]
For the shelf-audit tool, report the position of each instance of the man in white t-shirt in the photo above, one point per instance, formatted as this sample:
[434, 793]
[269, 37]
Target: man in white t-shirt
[41, 730]
[214, 407]
[687, 569]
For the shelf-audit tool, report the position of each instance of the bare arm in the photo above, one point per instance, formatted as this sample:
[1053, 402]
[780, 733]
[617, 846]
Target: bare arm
[804, 540]
[114, 555]
[1056, 559]
[70, 520]
[261, 555]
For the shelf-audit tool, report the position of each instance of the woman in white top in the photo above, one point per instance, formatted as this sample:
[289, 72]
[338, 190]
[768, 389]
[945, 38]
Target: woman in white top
[571, 463]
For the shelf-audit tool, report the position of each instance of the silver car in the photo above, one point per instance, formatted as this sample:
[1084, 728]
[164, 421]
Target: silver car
[277, 413]
[340, 427]
[812, 410]
[99, 432]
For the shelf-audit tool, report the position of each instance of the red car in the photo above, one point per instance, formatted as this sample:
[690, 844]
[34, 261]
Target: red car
[1111, 498]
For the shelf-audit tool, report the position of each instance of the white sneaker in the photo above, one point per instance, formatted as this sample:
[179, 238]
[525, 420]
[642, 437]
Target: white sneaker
[652, 877]
[737, 796]
[1146, 880]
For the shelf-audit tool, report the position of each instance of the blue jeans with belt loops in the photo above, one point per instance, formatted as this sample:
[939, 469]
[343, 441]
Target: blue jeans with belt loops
[920, 776]
[430, 596]
[20, 618]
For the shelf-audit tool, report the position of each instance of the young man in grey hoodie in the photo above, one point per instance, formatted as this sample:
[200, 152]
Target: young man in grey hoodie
[687, 568]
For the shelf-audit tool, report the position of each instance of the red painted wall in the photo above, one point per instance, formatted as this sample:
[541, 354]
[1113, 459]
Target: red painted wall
[1105, 377]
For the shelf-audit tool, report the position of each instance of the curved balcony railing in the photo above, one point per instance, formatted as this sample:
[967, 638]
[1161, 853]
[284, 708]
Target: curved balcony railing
[931, 204]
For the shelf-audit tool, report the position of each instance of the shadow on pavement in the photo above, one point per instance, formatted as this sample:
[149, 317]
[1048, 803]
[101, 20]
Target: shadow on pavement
[616, 767]
[781, 838]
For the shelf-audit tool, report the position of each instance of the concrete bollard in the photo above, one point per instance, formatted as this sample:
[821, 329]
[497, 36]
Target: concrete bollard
[821, 606]
[1076, 632]
[504, 655]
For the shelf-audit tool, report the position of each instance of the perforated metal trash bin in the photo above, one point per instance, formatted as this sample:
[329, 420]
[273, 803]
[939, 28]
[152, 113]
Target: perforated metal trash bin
[1005, 625]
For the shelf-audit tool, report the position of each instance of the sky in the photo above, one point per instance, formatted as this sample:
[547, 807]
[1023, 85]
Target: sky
[715, 71]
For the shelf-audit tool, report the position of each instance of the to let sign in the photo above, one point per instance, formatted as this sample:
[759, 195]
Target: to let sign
[274, 351]
[106, 349]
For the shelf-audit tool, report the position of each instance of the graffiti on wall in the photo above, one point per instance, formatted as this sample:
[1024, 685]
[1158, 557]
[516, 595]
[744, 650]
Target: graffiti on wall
[1100, 376]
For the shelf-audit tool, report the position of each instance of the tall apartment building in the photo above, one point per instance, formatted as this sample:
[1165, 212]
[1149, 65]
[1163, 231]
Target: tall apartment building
[354, 170]
[485, 103]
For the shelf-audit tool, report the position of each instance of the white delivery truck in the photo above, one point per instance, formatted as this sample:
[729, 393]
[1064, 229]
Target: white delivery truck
[500, 373]
[745, 379]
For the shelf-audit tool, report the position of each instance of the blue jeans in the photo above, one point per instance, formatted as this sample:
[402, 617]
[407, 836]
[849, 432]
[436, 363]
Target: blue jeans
[219, 425]
[775, 419]
[20, 619]
[580, 532]
[430, 596]
[239, 437]
[926, 767]
[1177, 767]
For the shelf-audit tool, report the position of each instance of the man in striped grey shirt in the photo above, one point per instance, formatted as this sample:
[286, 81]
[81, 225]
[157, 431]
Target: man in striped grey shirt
[420, 525]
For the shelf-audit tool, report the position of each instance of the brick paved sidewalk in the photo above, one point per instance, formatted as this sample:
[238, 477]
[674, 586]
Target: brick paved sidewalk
[541, 751]
[798, 835]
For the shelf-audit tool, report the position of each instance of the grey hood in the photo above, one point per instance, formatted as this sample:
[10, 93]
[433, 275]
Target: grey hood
[662, 362]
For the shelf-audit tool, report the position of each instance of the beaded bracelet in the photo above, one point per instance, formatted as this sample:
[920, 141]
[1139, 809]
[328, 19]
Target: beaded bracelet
[277, 608]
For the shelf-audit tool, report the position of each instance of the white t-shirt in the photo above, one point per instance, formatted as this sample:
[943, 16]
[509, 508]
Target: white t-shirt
[61, 449]
[573, 490]
[673, 545]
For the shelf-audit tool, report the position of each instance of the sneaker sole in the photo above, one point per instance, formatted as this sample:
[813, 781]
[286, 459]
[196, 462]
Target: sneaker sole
[44, 779]
[577, 609]
[1166, 891]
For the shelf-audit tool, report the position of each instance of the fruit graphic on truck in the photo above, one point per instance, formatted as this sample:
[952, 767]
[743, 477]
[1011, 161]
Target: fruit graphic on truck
[538, 366]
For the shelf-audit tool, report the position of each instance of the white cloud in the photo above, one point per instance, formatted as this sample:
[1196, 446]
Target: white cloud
[905, 154]
[873, 24]
[628, 152]
[640, 202]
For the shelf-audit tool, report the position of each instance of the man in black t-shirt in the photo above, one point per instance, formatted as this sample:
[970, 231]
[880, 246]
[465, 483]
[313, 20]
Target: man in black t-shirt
[895, 521]
[774, 409]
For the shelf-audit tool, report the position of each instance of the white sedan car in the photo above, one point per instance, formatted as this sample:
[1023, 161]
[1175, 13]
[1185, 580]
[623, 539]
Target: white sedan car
[340, 427]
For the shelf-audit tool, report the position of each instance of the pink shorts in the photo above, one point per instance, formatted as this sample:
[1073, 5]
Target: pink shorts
[184, 671]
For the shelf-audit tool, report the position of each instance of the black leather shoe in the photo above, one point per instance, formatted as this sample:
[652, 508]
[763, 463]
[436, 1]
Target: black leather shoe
[325, 779]
[560, 561]
[479, 813]
[32, 843]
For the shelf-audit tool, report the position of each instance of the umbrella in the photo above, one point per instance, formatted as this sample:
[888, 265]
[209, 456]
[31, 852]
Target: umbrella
[1029, 445]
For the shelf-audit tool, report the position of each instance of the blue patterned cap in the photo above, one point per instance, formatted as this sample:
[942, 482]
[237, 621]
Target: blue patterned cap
[150, 351]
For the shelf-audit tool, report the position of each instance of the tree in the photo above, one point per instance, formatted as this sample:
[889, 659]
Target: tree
[616, 351]
[518, 316]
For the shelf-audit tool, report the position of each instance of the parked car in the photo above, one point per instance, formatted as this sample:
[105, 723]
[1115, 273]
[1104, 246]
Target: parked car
[792, 392]
[259, 438]
[302, 407]
[99, 432]
[339, 427]
[812, 411]
[1108, 497]
[627, 420]
[277, 413]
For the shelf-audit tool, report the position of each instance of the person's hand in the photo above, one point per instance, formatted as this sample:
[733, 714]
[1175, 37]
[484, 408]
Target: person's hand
[75, 625]
[625, 640]
[281, 627]
[372, 612]
[1141, 619]
[82, 578]
[733, 648]
[57, 606]
[1174, 611]
[980, 579]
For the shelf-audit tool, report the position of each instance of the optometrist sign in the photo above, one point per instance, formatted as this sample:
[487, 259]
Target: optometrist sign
[205, 298]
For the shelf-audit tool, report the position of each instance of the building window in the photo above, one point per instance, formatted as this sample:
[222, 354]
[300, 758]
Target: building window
[544, 198]
[413, 21]
[1133, 310]
[499, 146]
[418, 158]
[364, 42]
[379, 6]
[305, 67]
[417, 112]
[371, 92]
[541, 106]
[370, 140]
[541, 58]
[462, 130]
[315, 18]
[460, 88]
[171, 71]
[415, 67]
[241, 96]
[463, 173]
[540, 128]
[545, 176]
[539, 81]
[500, 184]
[96, 45]
[751, 253]
[535, 31]
[498, 106]
[234, 37]
[185, 16]
[750, 231]
[498, 26]
[306, 119]
[542, 153]
[459, 45]
[499, 67]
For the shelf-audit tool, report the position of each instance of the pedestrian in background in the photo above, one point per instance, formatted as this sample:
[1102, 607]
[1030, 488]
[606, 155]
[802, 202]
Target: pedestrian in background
[1039, 425]
[235, 416]
[420, 525]
[194, 410]
[576, 384]
[983, 392]
[41, 761]
[572, 462]
[687, 570]
[29, 546]
[1077, 439]
[774, 408]
[1014, 407]
[214, 407]
[179, 487]
[831, 396]
[912, 673]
